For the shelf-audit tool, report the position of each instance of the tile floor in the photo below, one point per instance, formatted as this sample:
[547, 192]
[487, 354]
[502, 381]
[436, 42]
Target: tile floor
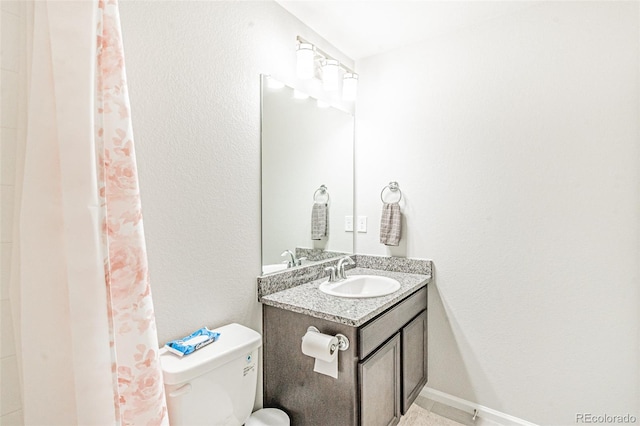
[425, 412]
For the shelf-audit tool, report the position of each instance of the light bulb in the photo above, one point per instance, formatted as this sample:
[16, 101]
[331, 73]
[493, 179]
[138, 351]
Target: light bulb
[349, 86]
[330, 75]
[305, 57]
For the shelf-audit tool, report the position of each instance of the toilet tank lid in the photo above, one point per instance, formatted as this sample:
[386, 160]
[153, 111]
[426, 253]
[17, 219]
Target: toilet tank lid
[235, 341]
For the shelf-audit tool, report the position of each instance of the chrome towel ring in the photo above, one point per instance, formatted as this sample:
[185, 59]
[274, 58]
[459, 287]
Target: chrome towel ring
[393, 187]
[322, 191]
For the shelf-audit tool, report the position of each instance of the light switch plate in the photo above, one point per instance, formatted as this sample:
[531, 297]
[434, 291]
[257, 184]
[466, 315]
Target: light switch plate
[348, 223]
[362, 224]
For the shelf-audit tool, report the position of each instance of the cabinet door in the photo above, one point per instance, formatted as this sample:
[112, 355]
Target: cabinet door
[380, 385]
[414, 359]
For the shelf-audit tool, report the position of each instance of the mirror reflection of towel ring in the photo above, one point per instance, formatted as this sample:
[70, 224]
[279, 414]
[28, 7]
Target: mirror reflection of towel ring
[323, 191]
[393, 187]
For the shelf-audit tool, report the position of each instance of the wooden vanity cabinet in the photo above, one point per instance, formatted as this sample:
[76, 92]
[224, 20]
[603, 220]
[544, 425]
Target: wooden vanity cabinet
[393, 376]
[380, 385]
[380, 375]
[414, 359]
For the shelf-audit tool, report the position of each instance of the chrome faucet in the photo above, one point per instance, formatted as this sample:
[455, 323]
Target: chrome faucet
[340, 273]
[332, 273]
[294, 261]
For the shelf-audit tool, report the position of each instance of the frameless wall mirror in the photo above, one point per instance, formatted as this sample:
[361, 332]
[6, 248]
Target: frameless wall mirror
[305, 145]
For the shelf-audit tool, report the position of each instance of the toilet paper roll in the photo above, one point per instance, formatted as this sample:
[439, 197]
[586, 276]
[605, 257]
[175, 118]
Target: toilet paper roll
[328, 368]
[318, 346]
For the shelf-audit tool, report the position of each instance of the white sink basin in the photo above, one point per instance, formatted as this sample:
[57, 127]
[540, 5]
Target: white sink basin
[361, 286]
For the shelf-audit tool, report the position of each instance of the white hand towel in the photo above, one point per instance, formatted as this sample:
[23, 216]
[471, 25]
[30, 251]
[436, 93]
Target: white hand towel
[390, 224]
[319, 221]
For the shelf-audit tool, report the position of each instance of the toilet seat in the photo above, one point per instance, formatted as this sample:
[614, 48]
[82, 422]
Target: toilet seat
[268, 417]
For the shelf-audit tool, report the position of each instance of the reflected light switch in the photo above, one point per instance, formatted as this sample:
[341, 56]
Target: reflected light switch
[348, 223]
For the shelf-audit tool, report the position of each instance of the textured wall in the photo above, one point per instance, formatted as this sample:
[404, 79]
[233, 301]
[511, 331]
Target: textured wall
[515, 143]
[194, 79]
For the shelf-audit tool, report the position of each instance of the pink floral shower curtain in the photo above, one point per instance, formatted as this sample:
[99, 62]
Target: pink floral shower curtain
[133, 334]
[80, 292]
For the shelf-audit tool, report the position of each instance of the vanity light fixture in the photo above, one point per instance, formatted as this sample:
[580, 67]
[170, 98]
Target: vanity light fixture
[310, 57]
[305, 61]
[349, 86]
[330, 75]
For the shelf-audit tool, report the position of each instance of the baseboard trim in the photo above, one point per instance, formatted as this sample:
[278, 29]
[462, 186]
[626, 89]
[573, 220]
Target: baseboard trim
[468, 406]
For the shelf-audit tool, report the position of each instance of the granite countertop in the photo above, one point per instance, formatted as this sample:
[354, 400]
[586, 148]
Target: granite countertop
[308, 299]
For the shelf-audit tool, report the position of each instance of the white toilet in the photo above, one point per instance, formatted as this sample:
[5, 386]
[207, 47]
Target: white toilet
[216, 385]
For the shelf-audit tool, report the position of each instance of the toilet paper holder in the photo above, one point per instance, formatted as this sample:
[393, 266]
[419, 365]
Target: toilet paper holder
[343, 342]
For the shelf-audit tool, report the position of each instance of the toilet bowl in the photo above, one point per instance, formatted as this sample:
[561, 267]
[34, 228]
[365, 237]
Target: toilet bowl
[216, 385]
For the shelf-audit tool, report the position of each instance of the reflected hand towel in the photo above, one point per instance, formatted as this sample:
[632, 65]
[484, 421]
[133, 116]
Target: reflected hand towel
[319, 221]
[390, 224]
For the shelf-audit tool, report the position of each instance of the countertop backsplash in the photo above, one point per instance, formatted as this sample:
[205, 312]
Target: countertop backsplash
[395, 264]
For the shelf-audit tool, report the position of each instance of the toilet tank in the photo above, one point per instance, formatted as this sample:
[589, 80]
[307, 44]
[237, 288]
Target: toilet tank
[215, 385]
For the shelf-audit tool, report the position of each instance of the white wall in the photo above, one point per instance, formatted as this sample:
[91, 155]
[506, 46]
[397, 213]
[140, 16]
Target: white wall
[194, 79]
[10, 18]
[193, 73]
[515, 144]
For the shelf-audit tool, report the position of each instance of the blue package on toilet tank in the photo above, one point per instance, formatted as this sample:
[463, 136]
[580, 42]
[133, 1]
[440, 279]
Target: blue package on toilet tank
[191, 343]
